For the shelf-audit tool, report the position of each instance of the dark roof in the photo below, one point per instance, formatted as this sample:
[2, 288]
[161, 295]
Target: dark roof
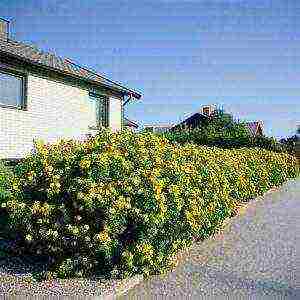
[35, 56]
[130, 123]
[192, 121]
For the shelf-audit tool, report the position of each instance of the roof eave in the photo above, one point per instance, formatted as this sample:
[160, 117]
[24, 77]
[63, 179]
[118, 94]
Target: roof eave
[123, 90]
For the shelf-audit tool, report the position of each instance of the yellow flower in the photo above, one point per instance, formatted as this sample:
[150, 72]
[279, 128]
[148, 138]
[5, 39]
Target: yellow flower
[85, 164]
[28, 237]
[122, 203]
[49, 169]
[69, 227]
[157, 189]
[55, 185]
[211, 207]
[75, 230]
[35, 208]
[103, 237]
[146, 249]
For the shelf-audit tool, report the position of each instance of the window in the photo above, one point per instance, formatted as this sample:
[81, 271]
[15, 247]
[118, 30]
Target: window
[11, 90]
[101, 107]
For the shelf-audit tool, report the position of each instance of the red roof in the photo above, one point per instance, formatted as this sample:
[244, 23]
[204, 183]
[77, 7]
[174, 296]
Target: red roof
[254, 126]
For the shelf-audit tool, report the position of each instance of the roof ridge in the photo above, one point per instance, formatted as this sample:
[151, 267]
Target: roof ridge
[34, 54]
[35, 47]
[95, 72]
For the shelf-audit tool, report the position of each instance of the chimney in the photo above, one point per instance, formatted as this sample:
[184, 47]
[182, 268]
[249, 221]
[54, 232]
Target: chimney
[4, 30]
[207, 110]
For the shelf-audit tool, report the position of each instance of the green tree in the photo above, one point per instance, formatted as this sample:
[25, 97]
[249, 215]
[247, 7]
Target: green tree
[221, 130]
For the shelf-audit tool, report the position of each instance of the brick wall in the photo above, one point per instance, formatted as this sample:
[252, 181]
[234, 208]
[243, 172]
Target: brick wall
[54, 110]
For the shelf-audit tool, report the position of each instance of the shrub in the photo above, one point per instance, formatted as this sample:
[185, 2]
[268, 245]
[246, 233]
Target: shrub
[221, 130]
[228, 138]
[6, 193]
[290, 144]
[124, 203]
[6, 180]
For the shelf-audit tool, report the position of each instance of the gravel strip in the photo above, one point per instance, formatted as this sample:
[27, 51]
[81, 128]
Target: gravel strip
[16, 283]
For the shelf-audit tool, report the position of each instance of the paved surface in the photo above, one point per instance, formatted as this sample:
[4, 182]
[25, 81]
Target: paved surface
[254, 257]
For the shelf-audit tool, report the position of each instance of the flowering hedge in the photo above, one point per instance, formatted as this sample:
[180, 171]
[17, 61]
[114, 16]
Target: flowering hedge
[6, 181]
[124, 203]
[6, 178]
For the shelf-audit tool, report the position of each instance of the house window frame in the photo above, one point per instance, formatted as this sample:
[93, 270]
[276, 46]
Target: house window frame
[101, 97]
[24, 84]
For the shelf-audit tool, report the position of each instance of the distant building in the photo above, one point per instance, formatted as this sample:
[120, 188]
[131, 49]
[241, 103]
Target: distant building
[158, 128]
[202, 116]
[196, 119]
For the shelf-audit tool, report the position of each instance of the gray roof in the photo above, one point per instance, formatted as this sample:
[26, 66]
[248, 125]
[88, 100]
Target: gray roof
[33, 55]
[130, 123]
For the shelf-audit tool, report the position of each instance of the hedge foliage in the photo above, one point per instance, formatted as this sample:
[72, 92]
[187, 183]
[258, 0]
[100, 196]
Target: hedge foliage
[6, 179]
[221, 130]
[6, 182]
[290, 143]
[228, 139]
[124, 203]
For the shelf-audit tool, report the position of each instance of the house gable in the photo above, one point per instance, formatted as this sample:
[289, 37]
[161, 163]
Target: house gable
[57, 104]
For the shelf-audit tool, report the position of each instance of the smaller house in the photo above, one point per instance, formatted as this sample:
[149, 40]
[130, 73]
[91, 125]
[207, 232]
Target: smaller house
[196, 119]
[199, 118]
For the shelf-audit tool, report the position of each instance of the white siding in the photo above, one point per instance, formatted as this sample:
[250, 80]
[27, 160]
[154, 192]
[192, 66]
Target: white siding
[115, 114]
[54, 110]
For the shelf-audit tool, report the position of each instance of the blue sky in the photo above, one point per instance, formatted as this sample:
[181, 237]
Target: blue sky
[244, 55]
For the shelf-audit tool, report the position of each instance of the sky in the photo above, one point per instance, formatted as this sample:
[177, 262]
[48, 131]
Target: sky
[180, 54]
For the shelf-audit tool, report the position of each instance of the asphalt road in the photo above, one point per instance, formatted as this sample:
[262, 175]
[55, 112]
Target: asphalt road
[255, 257]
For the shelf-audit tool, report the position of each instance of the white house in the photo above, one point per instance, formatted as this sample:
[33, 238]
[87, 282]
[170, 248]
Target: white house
[43, 96]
